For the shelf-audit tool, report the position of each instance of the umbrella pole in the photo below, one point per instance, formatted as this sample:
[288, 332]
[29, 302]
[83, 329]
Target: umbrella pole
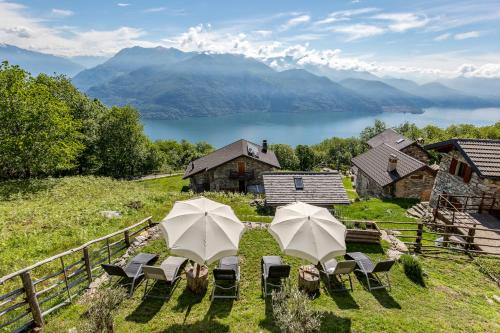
[197, 270]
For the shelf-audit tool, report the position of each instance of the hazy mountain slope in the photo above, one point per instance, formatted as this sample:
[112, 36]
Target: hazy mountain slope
[488, 88]
[36, 62]
[439, 94]
[126, 61]
[208, 85]
[389, 98]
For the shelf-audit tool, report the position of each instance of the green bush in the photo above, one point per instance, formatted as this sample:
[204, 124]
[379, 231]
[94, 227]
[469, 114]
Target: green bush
[99, 316]
[292, 312]
[412, 268]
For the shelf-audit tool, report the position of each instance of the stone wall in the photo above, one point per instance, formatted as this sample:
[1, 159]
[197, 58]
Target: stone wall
[416, 151]
[418, 185]
[455, 185]
[218, 179]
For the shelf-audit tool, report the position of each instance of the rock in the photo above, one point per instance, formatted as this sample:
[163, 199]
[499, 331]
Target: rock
[496, 298]
[489, 300]
[111, 214]
[394, 254]
[72, 330]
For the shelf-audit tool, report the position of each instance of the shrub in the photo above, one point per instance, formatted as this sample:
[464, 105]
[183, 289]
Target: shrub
[412, 268]
[100, 313]
[349, 225]
[292, 312]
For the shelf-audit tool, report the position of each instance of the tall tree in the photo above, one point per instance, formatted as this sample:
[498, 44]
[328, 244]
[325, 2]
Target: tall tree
[370, 131]
[286, 156]
[38, 135]
[306, 157]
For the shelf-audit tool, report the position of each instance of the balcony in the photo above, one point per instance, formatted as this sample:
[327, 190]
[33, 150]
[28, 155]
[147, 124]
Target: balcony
[247, 175]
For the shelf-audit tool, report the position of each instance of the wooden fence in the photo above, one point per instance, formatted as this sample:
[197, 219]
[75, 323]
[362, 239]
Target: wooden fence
[30, 294]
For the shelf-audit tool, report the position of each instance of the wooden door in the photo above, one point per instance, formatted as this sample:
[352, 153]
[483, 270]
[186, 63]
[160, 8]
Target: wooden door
[241, 168]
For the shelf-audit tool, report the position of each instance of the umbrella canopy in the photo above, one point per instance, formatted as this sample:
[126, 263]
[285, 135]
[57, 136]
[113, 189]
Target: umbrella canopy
[202, 230]
[308, 232]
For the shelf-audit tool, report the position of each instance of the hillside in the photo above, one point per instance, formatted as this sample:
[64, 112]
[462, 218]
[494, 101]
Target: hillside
[180, 84]
[36, 62]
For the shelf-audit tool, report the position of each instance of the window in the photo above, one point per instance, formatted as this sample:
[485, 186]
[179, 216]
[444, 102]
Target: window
[400, 140]
[299, 183]
[461, 170]
[420, 177]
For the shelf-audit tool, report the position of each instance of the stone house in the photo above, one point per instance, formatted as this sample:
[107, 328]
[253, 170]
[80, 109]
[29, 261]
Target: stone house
[387, 172]
[397, 141]
[237, 167]
[469, 168]
[323, 189]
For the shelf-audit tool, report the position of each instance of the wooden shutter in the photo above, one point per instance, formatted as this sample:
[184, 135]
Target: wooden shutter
[453, 166]
[467, 173]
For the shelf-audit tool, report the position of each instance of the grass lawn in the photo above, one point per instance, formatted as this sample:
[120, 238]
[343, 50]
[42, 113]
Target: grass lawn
[351, 192]
[40, 218]
[453, 300]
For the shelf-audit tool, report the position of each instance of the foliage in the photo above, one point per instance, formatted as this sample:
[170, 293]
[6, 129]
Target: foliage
[306, 157]
[369, 132]
[38, 135]
[286, 156]
[293, 313]
[179, 154]
[412, 268]
[99, 316]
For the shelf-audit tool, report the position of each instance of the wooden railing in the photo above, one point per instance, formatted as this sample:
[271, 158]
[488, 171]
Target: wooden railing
[39, 289]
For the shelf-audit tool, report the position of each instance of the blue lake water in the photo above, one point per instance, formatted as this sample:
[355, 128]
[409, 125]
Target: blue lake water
[303, 128]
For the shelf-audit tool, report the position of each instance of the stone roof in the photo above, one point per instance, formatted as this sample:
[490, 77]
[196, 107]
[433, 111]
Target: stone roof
[390, 137]
[374, 164]
[229, 153]
[319, 188]
[483, 155]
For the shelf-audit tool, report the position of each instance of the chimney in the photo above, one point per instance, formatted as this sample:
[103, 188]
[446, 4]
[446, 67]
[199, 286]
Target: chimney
[264, 146]
[393, 162]
[420, 141]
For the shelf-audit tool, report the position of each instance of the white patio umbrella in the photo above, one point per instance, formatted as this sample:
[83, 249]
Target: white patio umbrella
[308, 232]
[202, 230]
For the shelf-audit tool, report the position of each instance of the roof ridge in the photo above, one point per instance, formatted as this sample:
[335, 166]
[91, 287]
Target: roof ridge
[399, 151]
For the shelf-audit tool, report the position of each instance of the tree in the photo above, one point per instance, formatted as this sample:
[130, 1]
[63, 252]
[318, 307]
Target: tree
[286, 156]
[369, 132]
[38, 135]
[306, 157]
[123, 147]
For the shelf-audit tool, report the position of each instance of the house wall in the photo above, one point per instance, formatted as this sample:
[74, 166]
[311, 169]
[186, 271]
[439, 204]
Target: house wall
[218, 179]
[418, 185]
[417, 152]
[455, 185]
[366, 186]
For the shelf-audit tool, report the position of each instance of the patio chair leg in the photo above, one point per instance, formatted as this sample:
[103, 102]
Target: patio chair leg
[350, 281]
[131, 288]
[368, 281]
[145, 289]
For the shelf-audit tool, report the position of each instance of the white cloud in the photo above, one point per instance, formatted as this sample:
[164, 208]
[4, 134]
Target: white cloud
[62, 12]
[344, 15]
[295, 21]
[442, 37]
[402, 22]
[154, 10]
[485, 71]
[358, 31]
[121, 4]
[467, 35]
[263, 33]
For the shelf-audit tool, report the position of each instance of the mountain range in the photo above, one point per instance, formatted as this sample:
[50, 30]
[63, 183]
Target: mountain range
[168, 83]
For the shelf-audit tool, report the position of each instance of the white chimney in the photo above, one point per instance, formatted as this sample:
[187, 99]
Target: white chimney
[393, 163]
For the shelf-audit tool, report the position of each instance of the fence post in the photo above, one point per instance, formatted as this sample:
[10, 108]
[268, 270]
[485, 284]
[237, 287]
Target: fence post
[446, 236]
[435, 210]
[29, 289]
[126, 236]
[150, 222]
[109, 251]
[418, 240]
[88, 268]
[470, 238]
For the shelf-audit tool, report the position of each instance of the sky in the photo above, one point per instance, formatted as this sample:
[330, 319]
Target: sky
[420, 38]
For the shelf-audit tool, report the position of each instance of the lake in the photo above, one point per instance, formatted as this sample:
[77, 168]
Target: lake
[303, 128]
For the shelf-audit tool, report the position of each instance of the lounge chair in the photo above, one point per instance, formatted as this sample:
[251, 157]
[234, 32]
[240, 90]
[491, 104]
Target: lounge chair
[333, 269]
[133, 271]
[227, 277]
[167, 272]
[366, 267]
[274, 271]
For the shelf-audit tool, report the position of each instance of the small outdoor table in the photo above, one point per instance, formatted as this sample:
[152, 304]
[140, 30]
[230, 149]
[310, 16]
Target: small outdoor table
[197, 284]
[309, 279]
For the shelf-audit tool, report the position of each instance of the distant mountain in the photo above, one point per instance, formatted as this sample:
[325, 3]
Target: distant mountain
[36, 62]
[126, 61]
[440, 95]
[388, 97]
[488, 88]
[210, 84]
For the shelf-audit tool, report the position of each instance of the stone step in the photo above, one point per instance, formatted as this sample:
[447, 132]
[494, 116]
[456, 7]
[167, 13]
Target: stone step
[414, 213]
[418, 209]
